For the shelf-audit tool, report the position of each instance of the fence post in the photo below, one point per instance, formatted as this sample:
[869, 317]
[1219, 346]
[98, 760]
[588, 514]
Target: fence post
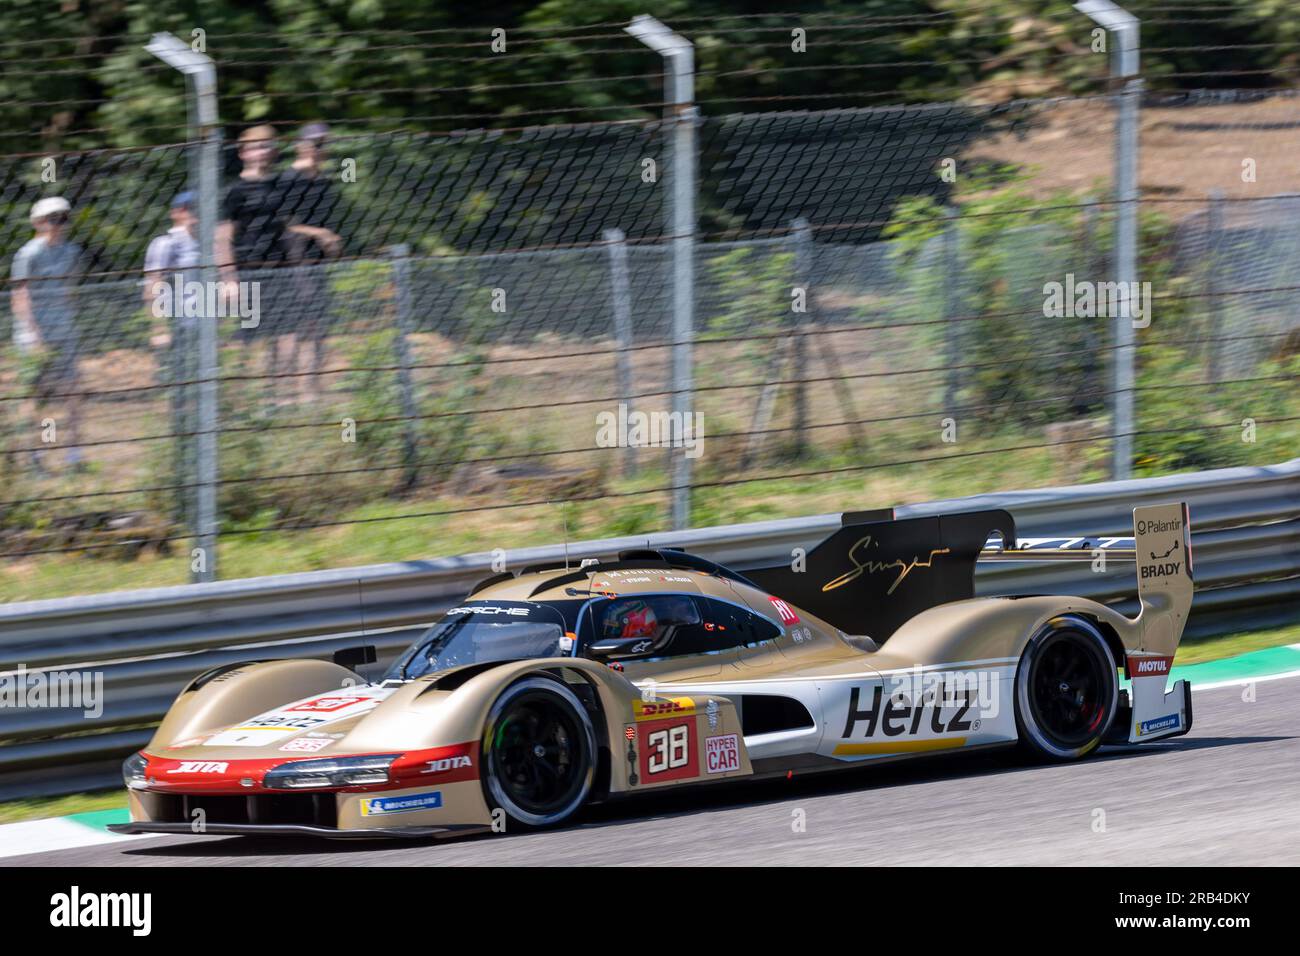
[819, 340]
[802, 239]
[209, 354]
[1214, 235]
[202, 74]
[1094, 267]
[621, 294]
[950, 254]
[1123, 29]
[682, 115]
[400, 255]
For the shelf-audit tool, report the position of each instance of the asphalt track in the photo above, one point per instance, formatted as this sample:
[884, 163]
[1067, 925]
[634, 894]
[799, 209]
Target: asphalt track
[1228, 793]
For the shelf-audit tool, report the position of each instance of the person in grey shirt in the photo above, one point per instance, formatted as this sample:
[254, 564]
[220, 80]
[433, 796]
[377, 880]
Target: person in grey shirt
[43, 279]
[175, 253]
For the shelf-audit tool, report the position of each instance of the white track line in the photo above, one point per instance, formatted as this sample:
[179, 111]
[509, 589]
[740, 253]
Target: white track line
[59, 833]
[1242, 681]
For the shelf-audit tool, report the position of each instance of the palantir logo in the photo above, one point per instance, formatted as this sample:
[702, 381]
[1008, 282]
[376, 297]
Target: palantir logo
[76, 909]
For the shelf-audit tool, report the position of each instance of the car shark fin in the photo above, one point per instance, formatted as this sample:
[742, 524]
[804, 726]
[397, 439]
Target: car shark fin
[873, 574]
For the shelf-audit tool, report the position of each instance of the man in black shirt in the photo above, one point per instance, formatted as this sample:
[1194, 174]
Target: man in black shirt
[252, 243]
[310, 207]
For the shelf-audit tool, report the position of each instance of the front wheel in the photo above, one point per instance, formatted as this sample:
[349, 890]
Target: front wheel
[539, 753]
[1067, 690]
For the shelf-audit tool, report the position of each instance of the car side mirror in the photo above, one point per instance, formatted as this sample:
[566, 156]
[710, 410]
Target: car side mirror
[620, 648]
[354, 657]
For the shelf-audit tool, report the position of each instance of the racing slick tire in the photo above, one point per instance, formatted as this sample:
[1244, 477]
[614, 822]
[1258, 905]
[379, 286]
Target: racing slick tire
[1067, 690]
[539, 753]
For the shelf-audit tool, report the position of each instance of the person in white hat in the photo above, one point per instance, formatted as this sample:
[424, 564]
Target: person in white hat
[43, 280]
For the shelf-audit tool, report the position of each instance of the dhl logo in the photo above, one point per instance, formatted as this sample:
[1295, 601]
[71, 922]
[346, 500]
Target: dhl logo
[666, 707]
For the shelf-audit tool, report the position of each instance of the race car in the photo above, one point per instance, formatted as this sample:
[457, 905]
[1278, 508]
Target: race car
[558, 686]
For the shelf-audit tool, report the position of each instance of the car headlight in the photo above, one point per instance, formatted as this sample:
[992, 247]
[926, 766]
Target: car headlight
[334, 772]
[133, 768]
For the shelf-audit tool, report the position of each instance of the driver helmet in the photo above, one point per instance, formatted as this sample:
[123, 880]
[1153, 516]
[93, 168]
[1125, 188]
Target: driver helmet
[639, 620]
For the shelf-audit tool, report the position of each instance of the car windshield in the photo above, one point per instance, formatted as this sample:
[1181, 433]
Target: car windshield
[479, 633]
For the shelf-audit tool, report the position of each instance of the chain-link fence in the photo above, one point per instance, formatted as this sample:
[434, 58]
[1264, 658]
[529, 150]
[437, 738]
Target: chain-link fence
[545, 187]
[872, 291]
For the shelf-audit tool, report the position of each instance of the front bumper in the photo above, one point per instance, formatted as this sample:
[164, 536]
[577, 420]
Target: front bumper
[423, 809]
[301, 829]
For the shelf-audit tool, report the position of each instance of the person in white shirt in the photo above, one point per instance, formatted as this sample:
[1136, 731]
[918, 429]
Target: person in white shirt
[44, 279]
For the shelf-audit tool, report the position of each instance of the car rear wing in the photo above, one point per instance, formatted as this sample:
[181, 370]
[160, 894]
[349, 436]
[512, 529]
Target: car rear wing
[1060, 549]
[1161, 552]
[876, 572]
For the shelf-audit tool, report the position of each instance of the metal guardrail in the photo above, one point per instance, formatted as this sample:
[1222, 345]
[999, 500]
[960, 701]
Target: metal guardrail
[147, 644]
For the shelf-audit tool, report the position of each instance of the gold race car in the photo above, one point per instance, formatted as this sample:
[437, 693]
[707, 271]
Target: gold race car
[559, 686]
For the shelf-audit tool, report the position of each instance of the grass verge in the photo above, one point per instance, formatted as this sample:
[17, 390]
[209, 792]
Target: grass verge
[40, 808]
[1201, 649]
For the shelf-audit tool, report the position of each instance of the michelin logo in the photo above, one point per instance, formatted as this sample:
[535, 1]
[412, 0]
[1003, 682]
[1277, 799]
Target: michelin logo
[1160, 723]
[377, 806]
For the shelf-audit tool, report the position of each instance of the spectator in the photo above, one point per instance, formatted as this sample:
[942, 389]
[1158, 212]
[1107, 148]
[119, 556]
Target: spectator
[44, 276]
[175, 252]
[310, 204]
[251, 240]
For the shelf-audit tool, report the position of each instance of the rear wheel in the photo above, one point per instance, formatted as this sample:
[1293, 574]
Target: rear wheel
[1067, 690]
[539, 753]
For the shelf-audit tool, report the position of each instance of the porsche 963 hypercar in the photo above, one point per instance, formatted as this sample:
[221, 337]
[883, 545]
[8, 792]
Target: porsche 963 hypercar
[554, 687]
